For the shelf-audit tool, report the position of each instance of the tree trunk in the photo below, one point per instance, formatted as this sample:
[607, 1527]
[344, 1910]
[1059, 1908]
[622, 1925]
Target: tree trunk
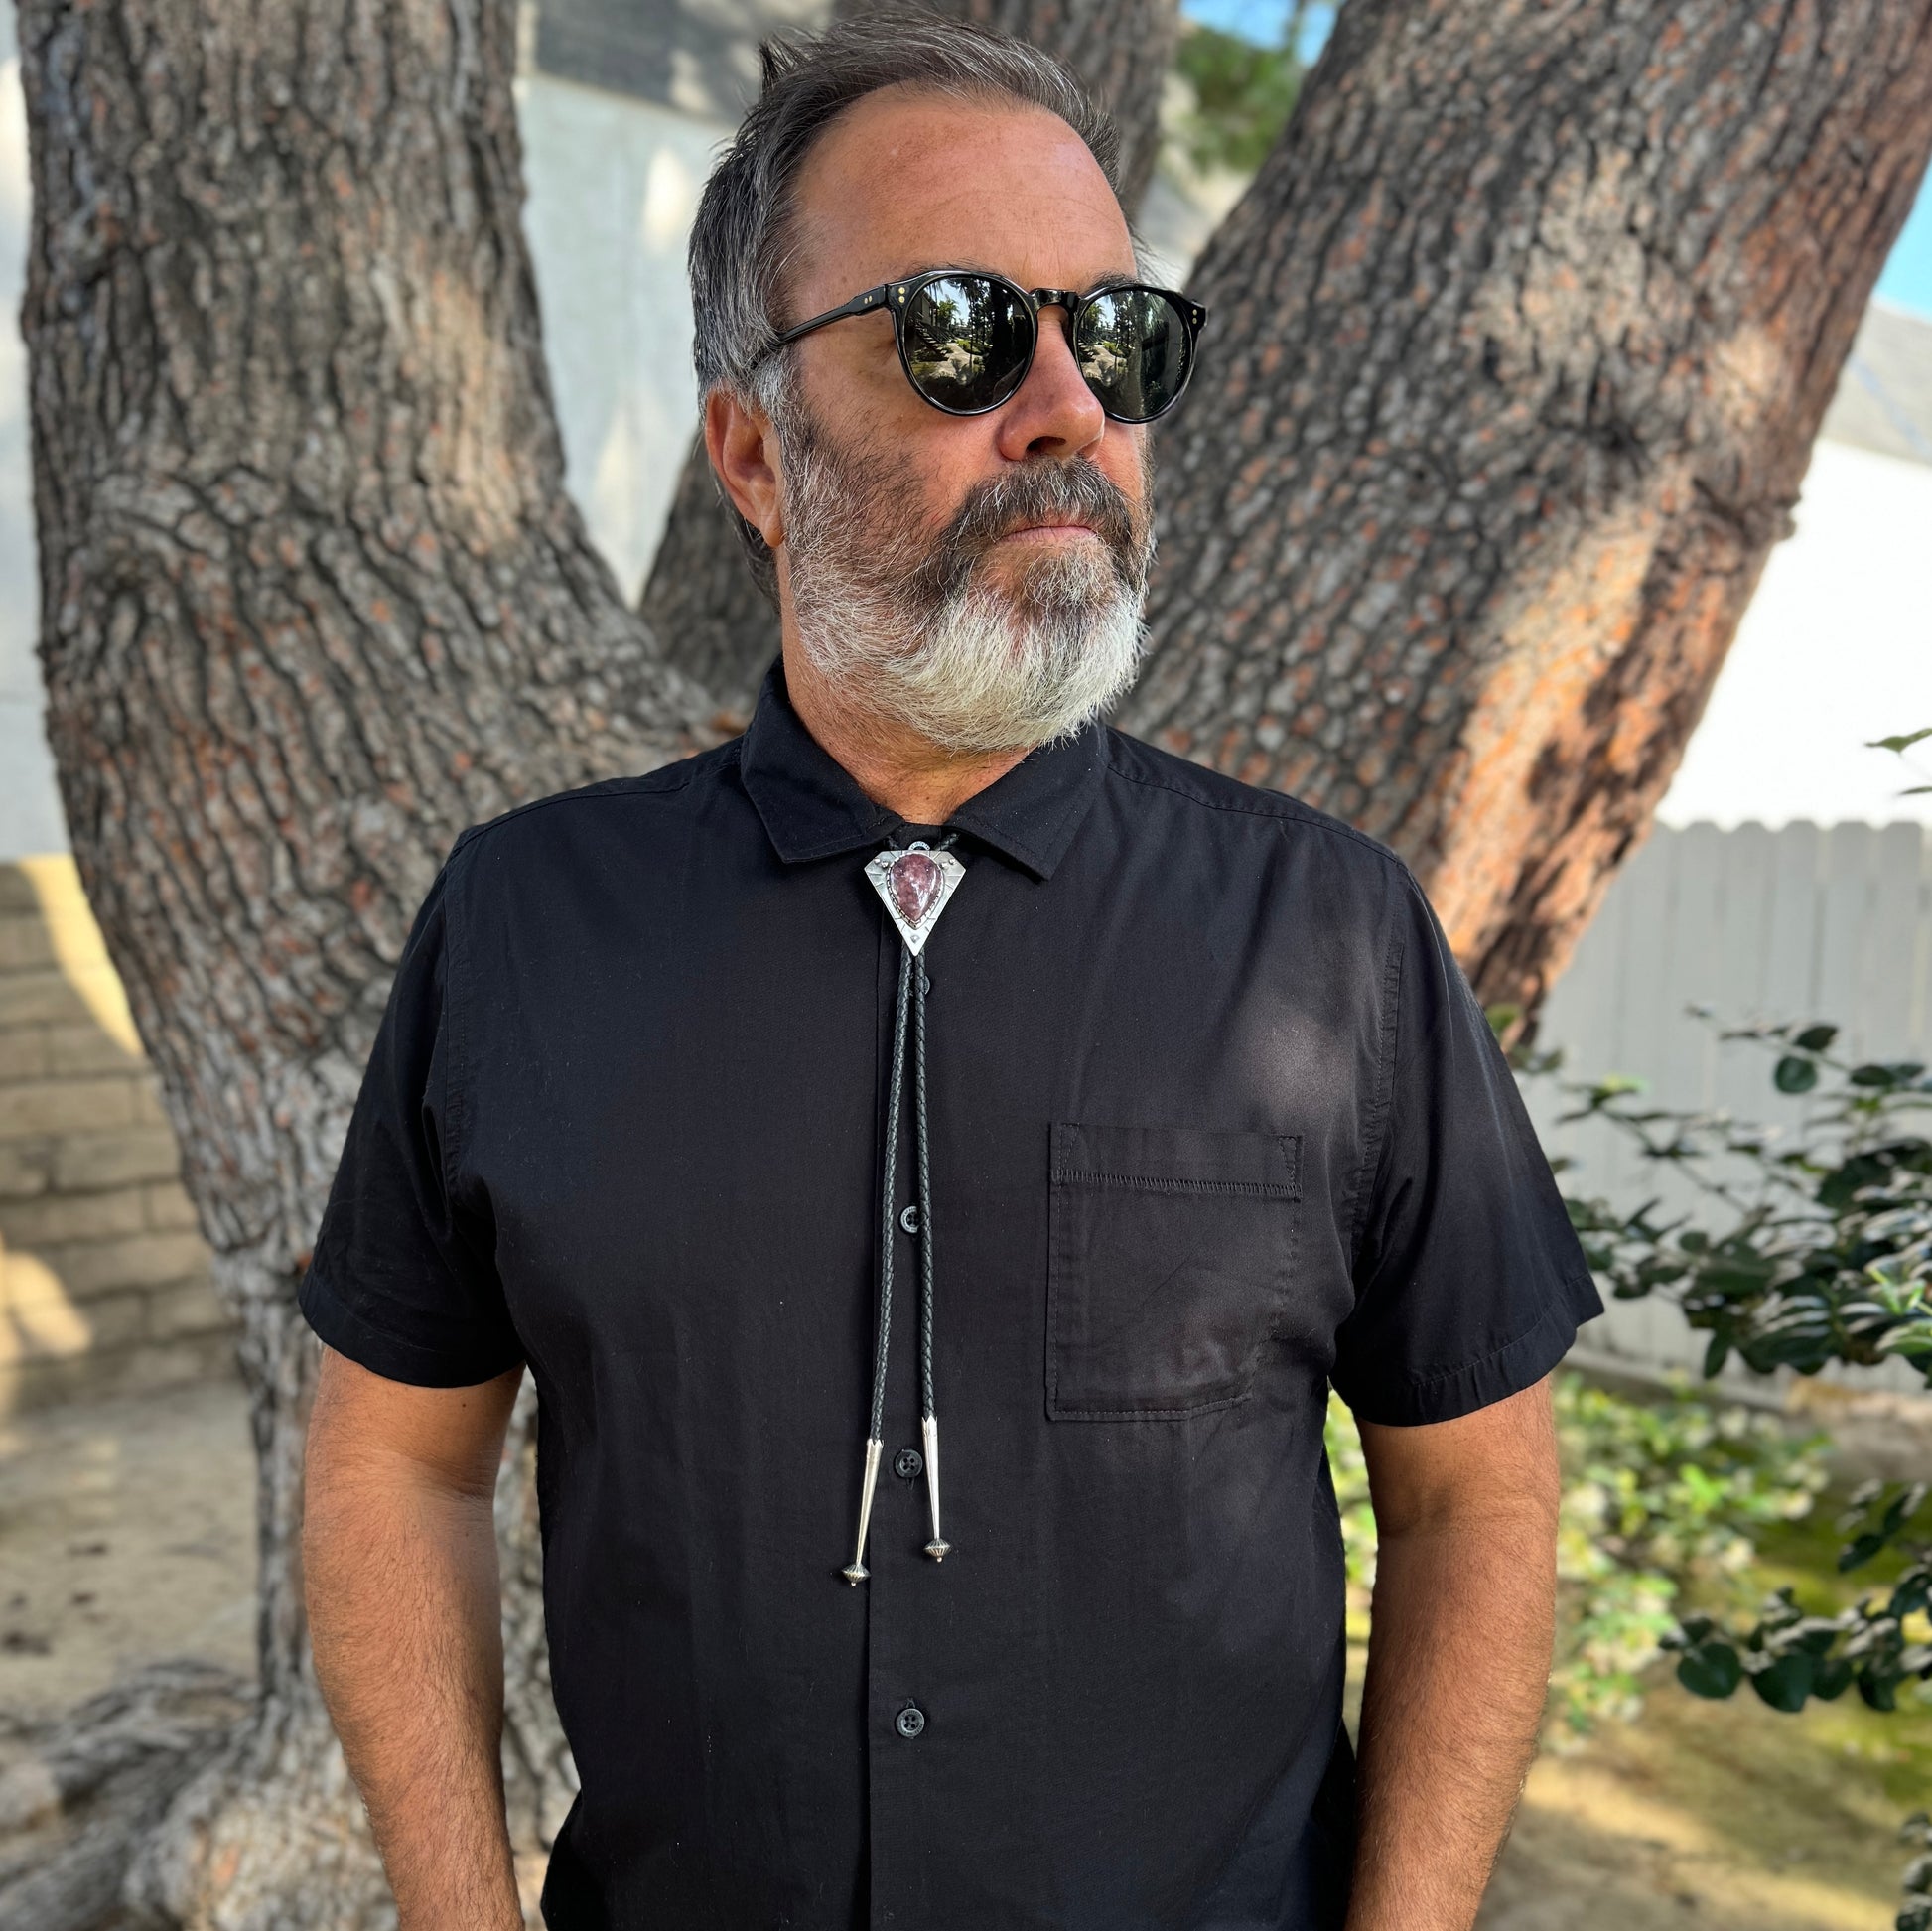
[313, 599]
[1121, 49]
[700, 597]
[1517, 346]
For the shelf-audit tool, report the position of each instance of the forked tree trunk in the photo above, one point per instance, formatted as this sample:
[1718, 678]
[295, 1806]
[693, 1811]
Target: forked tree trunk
[312, 599]
[1121, 49]
[700, 597]
[1518, 344]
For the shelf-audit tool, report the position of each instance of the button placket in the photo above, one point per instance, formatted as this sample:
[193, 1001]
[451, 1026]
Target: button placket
[897, 1773]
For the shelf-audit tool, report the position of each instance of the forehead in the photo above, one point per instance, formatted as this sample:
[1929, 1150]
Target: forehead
[904, 180]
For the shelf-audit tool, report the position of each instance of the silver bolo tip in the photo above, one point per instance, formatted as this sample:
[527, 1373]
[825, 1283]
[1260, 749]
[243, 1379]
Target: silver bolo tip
[855, 1572]
[938, 1548]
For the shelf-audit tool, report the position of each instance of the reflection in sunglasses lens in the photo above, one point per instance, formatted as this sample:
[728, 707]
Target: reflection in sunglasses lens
[967, 341]
[1133, 351]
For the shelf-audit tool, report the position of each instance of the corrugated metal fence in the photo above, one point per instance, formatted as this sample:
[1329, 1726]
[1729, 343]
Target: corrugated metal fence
[1804, 923]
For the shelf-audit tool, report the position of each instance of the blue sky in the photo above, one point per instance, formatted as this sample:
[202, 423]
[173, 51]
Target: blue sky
[1906, 281]
[1262, 20]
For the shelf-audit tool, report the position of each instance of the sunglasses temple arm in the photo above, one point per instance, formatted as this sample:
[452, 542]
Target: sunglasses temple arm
[866, 299]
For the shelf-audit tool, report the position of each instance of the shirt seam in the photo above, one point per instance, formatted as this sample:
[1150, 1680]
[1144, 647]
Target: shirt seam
[1074, 1412]
[1155, 1184]
[1288, 811]
[644, 785]
[456, 1085]
[1376, 1135]
[316, 1286]
[1553, 1310]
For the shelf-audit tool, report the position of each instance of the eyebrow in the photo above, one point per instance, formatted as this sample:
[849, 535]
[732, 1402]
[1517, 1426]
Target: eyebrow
[1107, 278]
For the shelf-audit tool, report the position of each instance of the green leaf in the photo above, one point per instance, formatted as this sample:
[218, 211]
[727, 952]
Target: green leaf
[1913, 1594]
[1243, 94]
[1833, 1678]
[1795, 1075]
[1859, 1551]
[1879, 1692]
[1710, 1669]
[1815, 1039]
[1903, 740]
[1785, 1683]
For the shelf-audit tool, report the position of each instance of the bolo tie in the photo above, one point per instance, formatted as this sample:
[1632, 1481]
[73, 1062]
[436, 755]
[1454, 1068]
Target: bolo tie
[914, 883]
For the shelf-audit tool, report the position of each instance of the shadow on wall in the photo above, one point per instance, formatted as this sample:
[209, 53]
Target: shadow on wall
[104, 1275]
[1800, 923]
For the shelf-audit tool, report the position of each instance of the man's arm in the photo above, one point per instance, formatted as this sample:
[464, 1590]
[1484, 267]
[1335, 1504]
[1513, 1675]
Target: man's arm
[1459, 1659]
[399, 1553]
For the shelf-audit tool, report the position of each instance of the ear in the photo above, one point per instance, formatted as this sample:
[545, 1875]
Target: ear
[744, 450]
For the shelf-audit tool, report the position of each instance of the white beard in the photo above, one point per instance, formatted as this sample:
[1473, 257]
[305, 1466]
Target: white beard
[985, 668]
[982, 673]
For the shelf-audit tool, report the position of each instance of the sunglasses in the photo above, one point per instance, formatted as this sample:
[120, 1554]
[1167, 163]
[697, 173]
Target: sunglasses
[966, 339]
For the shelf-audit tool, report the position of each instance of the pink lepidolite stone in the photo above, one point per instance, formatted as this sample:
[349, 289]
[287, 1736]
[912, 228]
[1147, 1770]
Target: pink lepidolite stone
[915, 880]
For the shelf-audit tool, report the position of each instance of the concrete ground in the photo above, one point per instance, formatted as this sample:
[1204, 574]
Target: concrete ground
[127, 1534]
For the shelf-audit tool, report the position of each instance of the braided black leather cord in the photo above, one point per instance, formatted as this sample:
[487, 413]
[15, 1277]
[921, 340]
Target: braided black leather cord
[907, 965]
[926, 1195]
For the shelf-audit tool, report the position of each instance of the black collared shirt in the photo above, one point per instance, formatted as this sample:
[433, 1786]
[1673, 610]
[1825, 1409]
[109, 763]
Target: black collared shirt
[1215, 1121]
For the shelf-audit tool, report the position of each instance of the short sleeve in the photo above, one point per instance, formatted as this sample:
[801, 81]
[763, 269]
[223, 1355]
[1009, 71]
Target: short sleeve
[403, 1278]
[1469, 1282]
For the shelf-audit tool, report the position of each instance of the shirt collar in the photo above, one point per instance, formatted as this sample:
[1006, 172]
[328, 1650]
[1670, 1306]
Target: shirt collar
[812, 807]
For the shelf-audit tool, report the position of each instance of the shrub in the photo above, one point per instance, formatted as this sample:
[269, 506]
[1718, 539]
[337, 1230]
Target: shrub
[1658, 1495]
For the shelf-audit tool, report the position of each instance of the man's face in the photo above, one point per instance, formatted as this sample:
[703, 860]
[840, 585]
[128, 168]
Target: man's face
[976, 578]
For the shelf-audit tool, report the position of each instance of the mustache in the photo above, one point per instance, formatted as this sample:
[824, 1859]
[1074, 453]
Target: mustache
[1047, 489]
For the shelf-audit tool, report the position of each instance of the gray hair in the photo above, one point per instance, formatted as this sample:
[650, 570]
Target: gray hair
[742, 240]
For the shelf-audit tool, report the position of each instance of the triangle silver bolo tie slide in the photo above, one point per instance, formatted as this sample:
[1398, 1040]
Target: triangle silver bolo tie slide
[915, 884]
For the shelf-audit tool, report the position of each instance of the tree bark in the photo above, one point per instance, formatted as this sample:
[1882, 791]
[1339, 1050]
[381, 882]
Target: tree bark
[1517, 346]
[1121, 49]
[314, 597]
[1518, 343]
[700, 597]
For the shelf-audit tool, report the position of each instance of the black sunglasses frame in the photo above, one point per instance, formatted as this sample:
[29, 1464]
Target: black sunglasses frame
[896, 296]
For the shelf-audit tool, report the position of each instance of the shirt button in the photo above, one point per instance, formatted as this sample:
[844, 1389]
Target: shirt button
[909, 1720]
[908, 1465]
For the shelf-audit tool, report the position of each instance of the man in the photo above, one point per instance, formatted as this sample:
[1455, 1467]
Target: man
[930, 1052]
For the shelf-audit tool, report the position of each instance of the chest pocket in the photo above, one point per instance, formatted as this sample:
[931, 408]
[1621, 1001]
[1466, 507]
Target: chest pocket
[1170, 1257]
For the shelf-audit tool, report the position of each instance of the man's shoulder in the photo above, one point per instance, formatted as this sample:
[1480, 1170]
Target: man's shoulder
[610, 806]
[1136, 763]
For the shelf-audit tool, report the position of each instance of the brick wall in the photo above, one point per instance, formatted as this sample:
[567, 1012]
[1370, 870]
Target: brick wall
[103, 1277]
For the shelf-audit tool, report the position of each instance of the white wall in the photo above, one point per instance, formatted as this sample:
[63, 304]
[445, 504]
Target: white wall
[30, 810]
[613, 184]
[1835, 650]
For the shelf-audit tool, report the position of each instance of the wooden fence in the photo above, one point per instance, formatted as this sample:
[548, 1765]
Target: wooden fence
[1804, 923]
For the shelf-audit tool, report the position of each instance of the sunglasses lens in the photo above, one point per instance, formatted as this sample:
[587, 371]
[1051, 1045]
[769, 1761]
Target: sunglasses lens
[967, 341]
[1134, 352]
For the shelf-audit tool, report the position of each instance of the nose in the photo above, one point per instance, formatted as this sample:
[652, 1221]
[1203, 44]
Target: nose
[1053, 413]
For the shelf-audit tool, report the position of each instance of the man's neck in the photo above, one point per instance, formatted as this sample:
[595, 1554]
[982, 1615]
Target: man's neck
[889, 762]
